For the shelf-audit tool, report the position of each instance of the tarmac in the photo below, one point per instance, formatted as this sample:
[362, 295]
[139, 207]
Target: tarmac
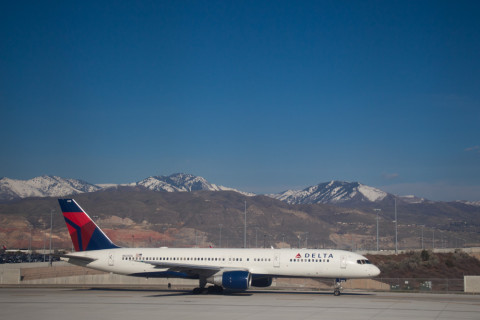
[73, 304]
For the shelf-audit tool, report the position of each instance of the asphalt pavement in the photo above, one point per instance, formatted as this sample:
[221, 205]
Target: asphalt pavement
[118, 304]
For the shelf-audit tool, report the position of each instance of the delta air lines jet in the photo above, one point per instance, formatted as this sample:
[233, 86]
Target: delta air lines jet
[233, 269]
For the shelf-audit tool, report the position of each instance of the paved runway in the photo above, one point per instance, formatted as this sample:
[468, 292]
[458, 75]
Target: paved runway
[73, 304]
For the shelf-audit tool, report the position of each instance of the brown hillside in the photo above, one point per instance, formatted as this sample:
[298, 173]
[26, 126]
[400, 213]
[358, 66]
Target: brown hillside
[134, 216]
[426, 264]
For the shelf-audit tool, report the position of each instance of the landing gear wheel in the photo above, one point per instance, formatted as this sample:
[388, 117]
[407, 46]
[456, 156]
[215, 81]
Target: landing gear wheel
[198, 290]
[215, 289]
[337, 286]
[201, 288]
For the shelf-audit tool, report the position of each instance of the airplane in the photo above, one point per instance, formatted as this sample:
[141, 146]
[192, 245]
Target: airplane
[221, 268]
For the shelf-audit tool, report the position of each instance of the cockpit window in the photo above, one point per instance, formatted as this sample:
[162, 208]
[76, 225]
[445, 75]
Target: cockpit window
[363, 261]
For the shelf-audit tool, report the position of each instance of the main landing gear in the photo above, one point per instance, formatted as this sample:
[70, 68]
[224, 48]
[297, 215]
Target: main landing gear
[210, 290]
[337, 288]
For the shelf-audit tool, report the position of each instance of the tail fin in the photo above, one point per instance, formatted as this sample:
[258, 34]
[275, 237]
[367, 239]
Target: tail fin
[85, 234]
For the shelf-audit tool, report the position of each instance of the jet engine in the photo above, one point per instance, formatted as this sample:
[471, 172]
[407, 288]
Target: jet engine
[234, 280]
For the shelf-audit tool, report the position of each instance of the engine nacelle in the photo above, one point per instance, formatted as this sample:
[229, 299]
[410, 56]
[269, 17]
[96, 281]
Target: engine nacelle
[235, 280]
[261, 282]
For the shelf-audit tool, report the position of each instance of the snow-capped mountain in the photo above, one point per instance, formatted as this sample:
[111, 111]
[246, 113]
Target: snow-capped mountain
[413, 199]
[52, 186]
[470, 203]
[178, 182]
[44, 186]
[181, 182]
[333, 192]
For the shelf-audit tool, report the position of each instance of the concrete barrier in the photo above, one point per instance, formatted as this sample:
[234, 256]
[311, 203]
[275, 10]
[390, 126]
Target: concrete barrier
[9, 276]
[107, 280]
[472, 284]
[64, 274]
[365, 284]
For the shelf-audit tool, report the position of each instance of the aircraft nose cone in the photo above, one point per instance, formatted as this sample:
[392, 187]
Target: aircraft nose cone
[375, 271]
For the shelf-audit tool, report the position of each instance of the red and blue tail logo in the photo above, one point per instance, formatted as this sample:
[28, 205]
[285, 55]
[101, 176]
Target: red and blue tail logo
[85, 234]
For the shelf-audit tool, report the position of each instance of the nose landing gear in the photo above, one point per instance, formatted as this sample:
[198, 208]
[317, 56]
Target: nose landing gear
[337, 288]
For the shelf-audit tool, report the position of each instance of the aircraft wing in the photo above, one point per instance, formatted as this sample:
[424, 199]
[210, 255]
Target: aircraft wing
[191, 269]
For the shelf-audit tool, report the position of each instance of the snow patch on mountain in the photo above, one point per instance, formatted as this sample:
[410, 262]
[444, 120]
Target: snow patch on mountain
[181, 182]
[52, 186]
[372, 194]
[44, 186]
[332, 192]
[412, 199]
[471, 203]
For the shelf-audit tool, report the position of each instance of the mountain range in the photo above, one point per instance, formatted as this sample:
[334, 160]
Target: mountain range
[53, 186]
[183, 210]
[44, 186]
[333, 192]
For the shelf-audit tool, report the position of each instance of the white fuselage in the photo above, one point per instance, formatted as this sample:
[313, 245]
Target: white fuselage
[310, 263]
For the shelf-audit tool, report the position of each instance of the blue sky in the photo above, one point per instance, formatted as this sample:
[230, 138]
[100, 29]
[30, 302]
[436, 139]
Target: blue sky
[262, 96]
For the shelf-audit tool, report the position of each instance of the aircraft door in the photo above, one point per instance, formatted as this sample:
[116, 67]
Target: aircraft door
[343, 262]
[110, 259]
[276, 260]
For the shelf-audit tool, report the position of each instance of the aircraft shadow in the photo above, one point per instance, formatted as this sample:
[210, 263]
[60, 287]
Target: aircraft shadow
[178, 292]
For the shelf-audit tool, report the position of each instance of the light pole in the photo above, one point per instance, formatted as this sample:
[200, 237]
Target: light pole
[377, 210]
[44, 240]
[396, 228]
[220, 245]
[30, 247]
[164, 236]
[422, 237]
[433, 240]
[51, 228]
[245, 229]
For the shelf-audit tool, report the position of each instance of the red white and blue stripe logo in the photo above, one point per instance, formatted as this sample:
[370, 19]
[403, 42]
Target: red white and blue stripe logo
[85, 234]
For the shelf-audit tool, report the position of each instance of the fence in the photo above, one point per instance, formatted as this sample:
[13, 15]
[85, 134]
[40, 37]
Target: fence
[423, 285]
